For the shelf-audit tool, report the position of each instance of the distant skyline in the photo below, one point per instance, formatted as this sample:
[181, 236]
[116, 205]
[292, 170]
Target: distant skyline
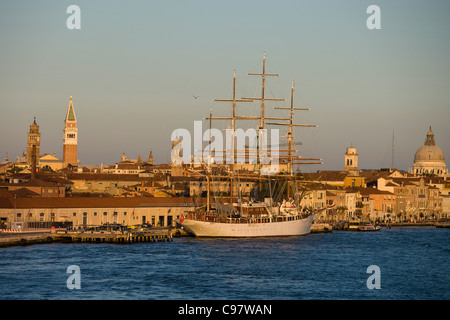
[138, 70]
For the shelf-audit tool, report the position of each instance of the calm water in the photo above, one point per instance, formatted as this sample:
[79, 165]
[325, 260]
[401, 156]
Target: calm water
[413, 264]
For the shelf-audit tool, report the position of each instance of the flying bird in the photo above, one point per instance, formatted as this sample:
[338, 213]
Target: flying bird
[194, 96]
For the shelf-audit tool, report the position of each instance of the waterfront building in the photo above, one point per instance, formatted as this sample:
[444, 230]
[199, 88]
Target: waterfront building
[70, 137]
[429, 158]
[315, 199]
[336, 198]
[376, 204]
[94, 211]
[445, 207]
[417, 198]
[365, 206]
[351, 198]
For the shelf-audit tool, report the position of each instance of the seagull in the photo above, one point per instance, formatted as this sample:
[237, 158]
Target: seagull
[194, 96]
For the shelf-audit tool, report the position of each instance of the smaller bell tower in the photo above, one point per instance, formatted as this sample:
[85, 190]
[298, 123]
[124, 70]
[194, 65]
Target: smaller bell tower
[351, 161]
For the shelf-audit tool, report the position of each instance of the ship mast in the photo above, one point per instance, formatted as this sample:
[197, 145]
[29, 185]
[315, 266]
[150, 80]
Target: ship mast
[208, 177]
[263, 98]
[291, 124]
[233, 128]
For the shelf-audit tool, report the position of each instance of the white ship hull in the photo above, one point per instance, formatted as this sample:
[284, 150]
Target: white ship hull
[243, 230]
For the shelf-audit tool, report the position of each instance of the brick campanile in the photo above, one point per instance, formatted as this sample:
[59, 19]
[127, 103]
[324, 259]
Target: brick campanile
[70, 137]
[34, 141]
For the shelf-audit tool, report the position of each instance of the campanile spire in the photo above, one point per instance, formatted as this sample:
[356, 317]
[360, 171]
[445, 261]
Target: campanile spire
[70, 136]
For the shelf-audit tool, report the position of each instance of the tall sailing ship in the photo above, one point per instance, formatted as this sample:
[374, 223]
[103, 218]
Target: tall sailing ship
[239, 218]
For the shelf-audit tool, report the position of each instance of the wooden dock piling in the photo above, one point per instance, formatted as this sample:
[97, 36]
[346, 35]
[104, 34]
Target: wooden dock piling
[116, 237]
[119, 238]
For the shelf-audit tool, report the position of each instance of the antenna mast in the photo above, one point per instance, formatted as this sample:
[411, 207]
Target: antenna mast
[393, 147]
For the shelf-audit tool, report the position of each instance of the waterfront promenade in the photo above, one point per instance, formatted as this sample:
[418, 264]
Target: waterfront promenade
[52, 235]
[25, 237]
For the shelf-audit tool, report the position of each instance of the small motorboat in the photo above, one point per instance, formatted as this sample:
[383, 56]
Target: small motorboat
[367, 226]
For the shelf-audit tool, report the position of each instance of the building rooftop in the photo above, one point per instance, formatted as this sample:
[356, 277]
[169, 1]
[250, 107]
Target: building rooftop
[97, 202]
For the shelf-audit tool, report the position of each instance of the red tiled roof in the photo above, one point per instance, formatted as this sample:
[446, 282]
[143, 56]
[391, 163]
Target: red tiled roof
[98, 202]
[368, 191]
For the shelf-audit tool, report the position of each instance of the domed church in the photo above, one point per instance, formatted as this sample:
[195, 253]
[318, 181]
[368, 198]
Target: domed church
[429, 158]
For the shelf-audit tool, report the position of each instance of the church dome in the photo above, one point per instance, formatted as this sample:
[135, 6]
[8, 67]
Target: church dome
[429, 158]
[429, 151]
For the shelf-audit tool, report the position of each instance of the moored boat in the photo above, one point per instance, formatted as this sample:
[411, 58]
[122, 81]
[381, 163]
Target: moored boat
[254, 218]
[368, 226]
[247, 220]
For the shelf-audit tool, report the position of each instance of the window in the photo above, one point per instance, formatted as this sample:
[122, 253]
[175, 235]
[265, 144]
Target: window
[105, 213]
[74, 214]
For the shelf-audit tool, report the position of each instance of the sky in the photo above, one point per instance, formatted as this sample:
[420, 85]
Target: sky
[134, 66]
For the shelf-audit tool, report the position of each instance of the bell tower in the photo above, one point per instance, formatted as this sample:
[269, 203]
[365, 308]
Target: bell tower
[34, 141]
[351, 161]
[70, 137]
[150, 158]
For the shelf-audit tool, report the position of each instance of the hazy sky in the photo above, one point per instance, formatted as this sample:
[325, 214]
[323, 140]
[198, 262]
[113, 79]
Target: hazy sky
[133, 67]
